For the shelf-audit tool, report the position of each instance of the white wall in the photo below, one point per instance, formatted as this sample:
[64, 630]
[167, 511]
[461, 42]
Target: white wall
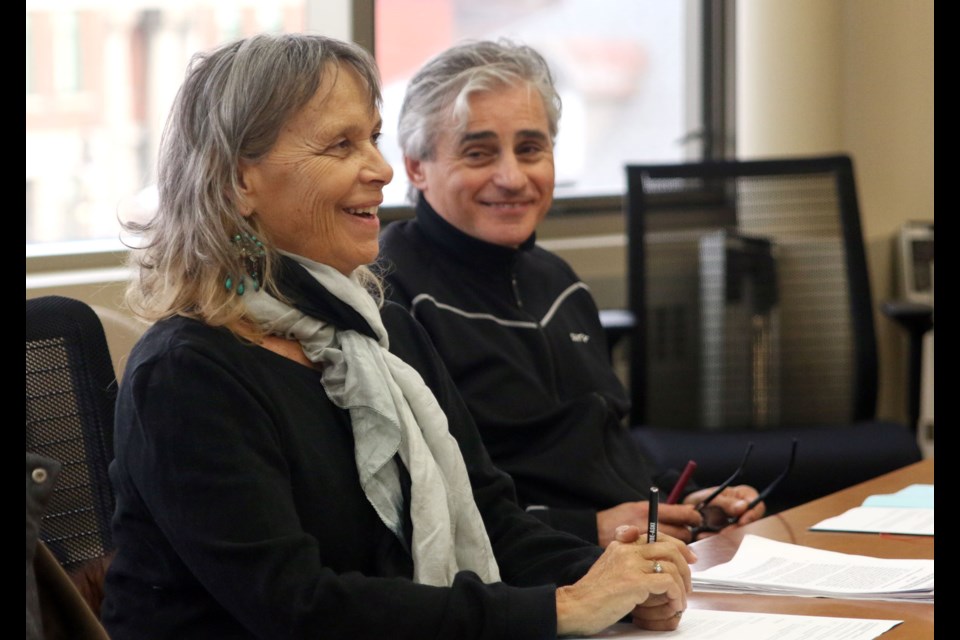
[852, 76]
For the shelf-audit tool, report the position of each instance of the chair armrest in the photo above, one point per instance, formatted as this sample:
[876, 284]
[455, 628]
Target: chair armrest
[915, 317]
[616, 324]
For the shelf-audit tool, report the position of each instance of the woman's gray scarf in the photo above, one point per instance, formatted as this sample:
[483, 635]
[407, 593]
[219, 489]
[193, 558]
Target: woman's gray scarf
[392, 410]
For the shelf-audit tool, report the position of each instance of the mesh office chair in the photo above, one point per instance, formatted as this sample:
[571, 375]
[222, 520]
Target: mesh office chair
[70, 390]
[755, 324]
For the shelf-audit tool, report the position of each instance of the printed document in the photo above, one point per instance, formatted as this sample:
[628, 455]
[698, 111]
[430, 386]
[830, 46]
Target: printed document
[907, 512]
[698, 624]
[772, 567]
[895, 520]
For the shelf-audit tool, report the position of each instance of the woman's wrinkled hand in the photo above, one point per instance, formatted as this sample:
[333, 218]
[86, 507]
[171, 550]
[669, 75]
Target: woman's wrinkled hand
[648, 581]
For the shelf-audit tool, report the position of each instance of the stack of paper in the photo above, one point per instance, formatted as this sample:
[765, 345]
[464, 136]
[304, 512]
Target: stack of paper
[698, 624]
[916, 496]
[779, 568]
[907, 512]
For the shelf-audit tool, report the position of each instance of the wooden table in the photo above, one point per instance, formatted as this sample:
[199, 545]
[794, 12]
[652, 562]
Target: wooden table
[793, 526]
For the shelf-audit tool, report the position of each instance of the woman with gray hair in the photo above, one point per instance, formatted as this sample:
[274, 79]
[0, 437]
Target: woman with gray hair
[292, 460]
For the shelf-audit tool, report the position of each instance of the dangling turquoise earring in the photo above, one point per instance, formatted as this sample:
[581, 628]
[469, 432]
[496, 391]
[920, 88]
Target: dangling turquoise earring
[254, 256]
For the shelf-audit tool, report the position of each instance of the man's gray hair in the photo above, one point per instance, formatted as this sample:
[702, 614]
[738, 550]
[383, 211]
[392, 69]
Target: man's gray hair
[444, 84]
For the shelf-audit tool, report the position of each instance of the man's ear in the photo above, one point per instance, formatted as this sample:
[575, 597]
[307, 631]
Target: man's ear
[415, 173]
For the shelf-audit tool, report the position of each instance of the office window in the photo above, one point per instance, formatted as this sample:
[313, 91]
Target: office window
[67, 53]
[100, 79]
[101, 76]
[620, 67]
[31, 75]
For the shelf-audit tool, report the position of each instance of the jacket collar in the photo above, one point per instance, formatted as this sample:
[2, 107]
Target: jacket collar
[462, 246]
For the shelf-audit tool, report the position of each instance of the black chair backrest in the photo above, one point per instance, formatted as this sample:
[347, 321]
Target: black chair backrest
[749, 282]
[71, 390]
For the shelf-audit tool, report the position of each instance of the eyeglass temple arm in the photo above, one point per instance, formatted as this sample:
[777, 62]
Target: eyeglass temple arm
[726, 483]
[773, 485]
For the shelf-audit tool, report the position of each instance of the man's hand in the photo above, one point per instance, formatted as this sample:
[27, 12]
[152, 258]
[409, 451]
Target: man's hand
[733, 501]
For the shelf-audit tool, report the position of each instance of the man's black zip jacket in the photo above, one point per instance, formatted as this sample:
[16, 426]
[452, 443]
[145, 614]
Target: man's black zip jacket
[521, 336]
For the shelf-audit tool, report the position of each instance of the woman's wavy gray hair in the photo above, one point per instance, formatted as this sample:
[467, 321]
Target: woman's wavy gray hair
[230, 108]
[444, 85]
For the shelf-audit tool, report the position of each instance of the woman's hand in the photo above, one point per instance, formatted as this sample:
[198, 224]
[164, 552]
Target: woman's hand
[675, 520]
[625, 580]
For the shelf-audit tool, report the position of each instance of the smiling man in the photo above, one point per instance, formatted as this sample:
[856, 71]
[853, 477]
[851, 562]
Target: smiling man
[515, 326]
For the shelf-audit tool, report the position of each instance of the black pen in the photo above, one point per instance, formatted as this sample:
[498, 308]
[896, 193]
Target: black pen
[653, 522]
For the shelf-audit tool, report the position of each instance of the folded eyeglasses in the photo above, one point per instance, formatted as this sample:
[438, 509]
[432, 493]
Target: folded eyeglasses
[715, 518]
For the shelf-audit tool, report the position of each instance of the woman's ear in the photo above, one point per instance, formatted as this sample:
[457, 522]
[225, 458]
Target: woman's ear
[245, 190]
